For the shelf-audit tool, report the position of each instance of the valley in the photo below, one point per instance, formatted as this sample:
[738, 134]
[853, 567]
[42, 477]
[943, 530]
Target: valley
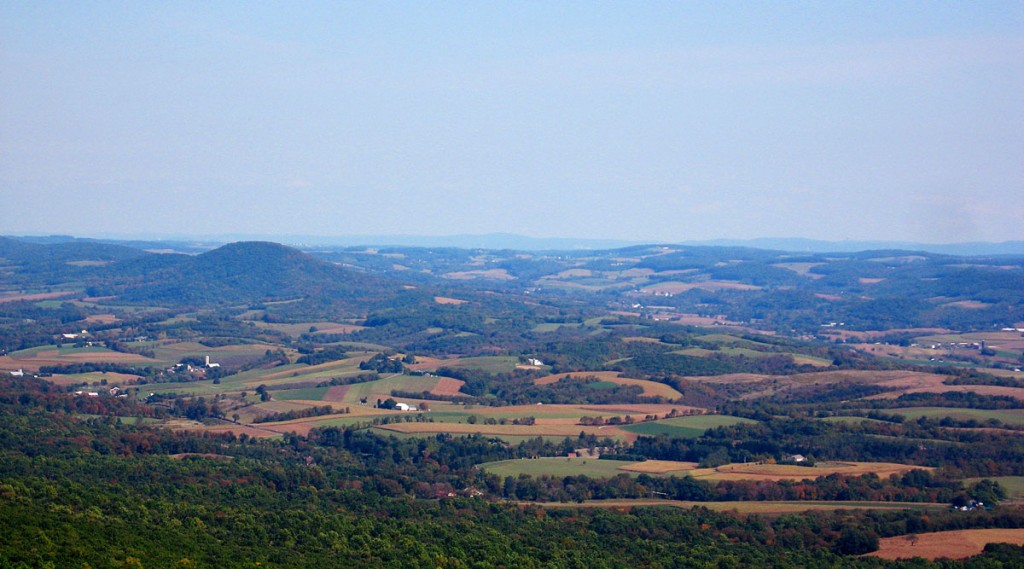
[737, 385]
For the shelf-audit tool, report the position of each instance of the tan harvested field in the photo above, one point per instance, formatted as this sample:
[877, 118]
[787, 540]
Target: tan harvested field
[354, 410]
[521, 430]
[695, 320]
[298, 426]
[885, 378]
[895, 351]
[711, 286]
[447, 386]
[917, 382]
[777, 472]
[446, 300]
[730, 378]
[574, 273]
[968, 304]
[53, 357]
[1000, 339]
[557, 421]
[238, 430]
[651, 388]
[660, 466]
[800, 359]
[872, 334]
[281, 406]
[637, 411]
[952, 544]
[424, 363]
[744, 507]
[629, 340]
[1015, 392]
[36, 296]
[803, 269]
[498, 274]
[101, 319]
[899, 381]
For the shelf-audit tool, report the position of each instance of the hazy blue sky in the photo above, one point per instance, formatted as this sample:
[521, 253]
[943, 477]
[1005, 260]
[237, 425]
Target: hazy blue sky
[659, 121]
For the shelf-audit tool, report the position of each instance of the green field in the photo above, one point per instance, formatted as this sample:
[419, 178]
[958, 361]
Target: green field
[750, 352]
[510, 439]
[61, 351]
[294, 373]
[306, 393]
[558, 467]
[226, 355]
[730, 340]
[746, 352]
[382, 387]
[343, 421]
[1007, 416]
[696, 352]
[310, 376]
[850, 419]
[552, 326]
[1014, 485]
[490, 364]
[691, 426]
[92, 378]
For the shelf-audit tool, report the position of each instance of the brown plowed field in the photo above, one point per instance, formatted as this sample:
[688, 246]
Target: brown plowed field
[953, 544]
[113, 378]
[336, 393]
[447, 386]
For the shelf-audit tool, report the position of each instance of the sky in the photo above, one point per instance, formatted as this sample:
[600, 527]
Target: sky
[642, 121]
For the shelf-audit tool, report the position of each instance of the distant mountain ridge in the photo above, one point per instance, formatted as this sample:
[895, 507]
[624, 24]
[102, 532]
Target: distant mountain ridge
[251, 272]
[510, 241]
[25, 251]
[801, 245]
